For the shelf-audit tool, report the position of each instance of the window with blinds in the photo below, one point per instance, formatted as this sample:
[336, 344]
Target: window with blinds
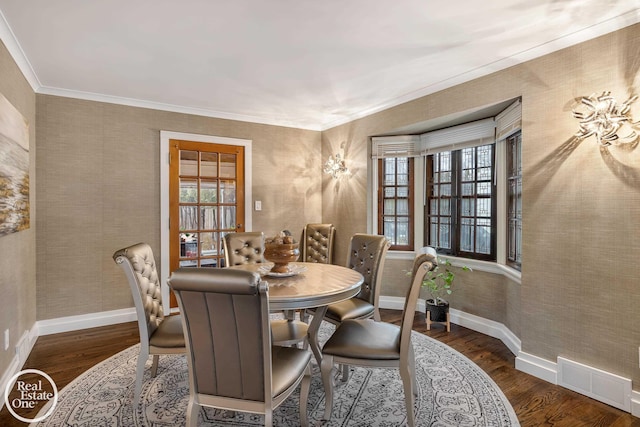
[395, 201]
[458, 188]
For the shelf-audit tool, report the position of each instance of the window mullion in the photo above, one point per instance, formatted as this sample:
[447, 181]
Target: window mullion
[456, 219]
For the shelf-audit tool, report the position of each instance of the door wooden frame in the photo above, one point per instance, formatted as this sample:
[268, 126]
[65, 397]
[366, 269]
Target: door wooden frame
[165, 136]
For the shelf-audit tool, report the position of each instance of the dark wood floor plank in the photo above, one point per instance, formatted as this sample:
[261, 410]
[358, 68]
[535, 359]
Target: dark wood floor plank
[536, 402]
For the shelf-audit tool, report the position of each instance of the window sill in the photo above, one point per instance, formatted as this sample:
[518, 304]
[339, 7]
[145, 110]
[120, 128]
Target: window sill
[474, 264]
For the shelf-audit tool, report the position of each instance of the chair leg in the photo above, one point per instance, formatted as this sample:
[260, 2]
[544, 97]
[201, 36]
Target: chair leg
[326, 367]
[345, 373]
[142, 362]
[268, 418]
[407, 383]
[154, 366]
[304, 396]
[412, 369]
[192, 413]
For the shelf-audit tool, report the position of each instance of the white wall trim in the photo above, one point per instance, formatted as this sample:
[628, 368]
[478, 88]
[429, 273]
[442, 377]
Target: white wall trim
[474, 264]
[586, 380]
[22, 351]
[597, 30]
[525, 362]
[608, 26]
[635, 403]
[182, 109]
[18, 55]
[538, 367]
[488, 327]
[476, 323]
[85, 321]
[595, 383]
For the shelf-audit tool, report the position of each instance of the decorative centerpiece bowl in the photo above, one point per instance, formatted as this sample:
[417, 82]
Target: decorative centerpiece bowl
[281, 251]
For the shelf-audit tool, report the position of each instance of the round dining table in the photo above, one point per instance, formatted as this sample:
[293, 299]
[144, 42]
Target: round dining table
[309, 285]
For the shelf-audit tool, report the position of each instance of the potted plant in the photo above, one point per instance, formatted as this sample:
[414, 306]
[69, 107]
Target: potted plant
[439, 283]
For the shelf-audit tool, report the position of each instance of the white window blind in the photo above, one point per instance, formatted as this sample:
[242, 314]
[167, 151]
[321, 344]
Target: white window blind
[395, 146]
[471, 134]
[509, 121]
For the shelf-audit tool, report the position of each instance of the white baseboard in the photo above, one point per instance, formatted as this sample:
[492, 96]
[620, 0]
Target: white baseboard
[487, 327]
[22, 350]
[85, 321]
[476, 323]
[635, 403]
[528, 363]
[538, 367]
[604, 386]
[397, 303]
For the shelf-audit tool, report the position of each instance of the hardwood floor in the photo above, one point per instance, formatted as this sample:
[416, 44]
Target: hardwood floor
[536, 402]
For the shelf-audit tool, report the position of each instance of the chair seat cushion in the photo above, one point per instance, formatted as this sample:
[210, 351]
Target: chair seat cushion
[365, 339]
[353, 308]
[288, 364]
[168, 334]
[287, 332]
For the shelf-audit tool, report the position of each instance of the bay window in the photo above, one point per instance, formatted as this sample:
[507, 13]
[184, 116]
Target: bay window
[458, 189]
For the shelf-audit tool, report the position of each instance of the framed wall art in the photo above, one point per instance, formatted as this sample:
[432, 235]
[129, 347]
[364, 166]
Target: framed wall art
[14, 169]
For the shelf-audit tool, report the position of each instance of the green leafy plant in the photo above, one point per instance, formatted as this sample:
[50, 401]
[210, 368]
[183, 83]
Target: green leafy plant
[439, 281]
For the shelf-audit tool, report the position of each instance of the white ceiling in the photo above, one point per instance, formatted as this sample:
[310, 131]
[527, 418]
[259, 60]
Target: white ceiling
[300, 63]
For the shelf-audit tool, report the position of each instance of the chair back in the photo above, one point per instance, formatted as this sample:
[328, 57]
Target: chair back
[424, 261]
[318, 243]
[243, 248]
[139, 266]
[366, 256]
[226, 326]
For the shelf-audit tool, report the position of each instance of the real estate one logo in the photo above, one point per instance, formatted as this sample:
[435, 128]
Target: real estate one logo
[24, 396]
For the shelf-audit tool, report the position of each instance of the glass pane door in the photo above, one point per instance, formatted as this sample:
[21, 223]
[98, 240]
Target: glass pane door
[206, 201]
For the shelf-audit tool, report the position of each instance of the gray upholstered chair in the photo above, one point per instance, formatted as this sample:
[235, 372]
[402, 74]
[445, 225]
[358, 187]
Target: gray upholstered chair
[366, 255]
[248, 248]
[243, 248]
[159, 334]
[317, 243]
[366, 342]
[232, 364]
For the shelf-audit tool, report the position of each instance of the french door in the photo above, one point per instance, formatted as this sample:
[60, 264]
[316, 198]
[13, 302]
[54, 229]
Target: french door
[206, 201]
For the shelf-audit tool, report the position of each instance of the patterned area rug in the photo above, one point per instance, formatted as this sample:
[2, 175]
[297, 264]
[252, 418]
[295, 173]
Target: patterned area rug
[453, 391]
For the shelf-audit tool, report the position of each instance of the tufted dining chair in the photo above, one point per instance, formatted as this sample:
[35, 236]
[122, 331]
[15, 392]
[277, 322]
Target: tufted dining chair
[248, 248]
[159, 334]
[243, 248]
[365, 342]
[232, 363]
[366, 255]
[318, 240]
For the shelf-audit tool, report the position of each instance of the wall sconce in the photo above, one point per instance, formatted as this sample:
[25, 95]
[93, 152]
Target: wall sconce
[335, 166]
[603, 117]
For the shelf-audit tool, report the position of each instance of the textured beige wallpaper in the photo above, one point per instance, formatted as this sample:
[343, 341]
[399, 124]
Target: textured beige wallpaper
[98, 166]
[580, 289]
[17, 250]
[98, 190]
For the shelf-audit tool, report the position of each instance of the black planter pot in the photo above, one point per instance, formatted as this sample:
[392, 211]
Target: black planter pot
[438, 313]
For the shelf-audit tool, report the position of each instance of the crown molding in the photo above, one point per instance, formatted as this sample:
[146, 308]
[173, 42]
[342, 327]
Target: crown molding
[596, 30]
[132, 102]
[15, 50]
[614, 24]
